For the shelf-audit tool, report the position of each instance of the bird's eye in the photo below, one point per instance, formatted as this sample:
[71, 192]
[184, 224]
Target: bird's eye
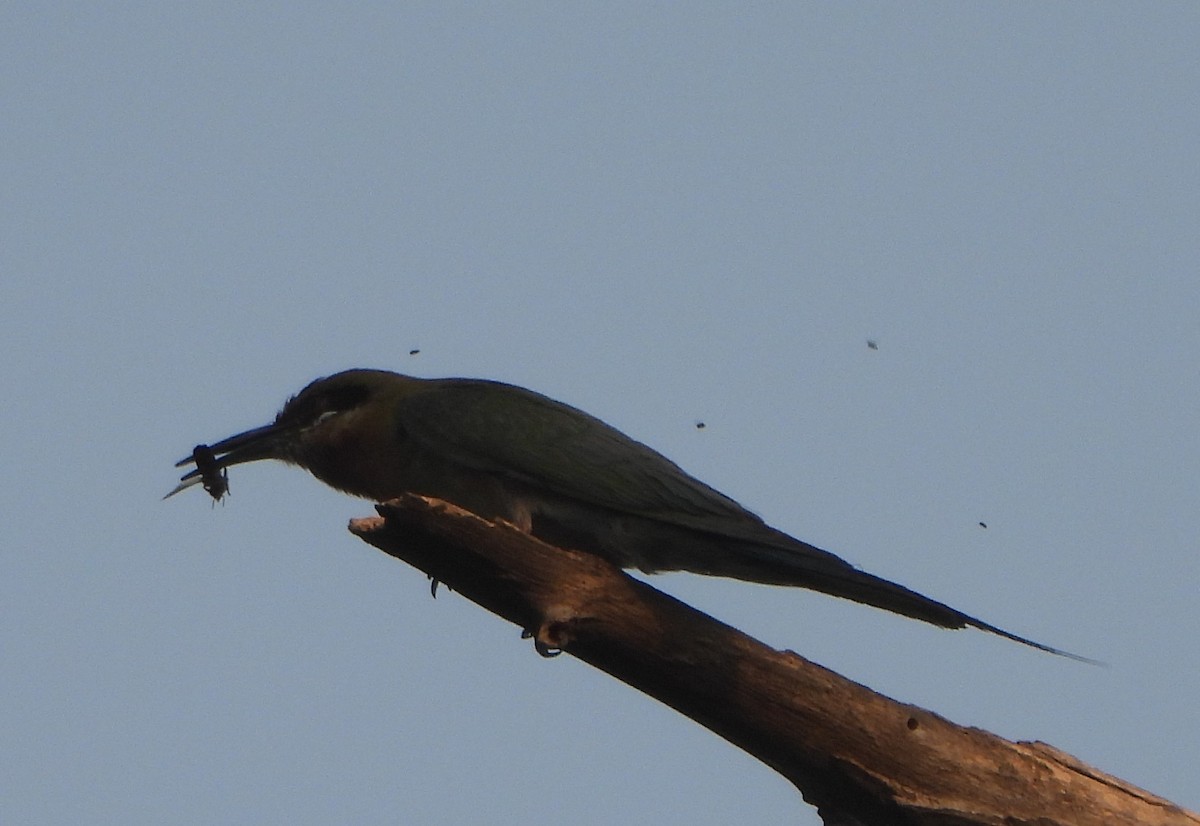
[312, 407]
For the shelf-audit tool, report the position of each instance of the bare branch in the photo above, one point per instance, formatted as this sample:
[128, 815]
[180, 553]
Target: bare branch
[858, 756]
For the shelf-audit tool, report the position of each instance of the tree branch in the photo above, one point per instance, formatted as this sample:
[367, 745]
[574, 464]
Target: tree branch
[859, 757]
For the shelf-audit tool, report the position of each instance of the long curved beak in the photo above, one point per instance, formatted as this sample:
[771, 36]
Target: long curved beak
[251, 446]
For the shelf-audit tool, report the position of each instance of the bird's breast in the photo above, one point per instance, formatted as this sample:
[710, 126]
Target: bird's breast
[369, 459]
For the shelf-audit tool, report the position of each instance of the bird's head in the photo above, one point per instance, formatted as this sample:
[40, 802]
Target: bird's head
[312, 426]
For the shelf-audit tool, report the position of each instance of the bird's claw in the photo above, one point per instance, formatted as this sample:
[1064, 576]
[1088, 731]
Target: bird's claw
[545, 650]
[540, 646]
[550, 638]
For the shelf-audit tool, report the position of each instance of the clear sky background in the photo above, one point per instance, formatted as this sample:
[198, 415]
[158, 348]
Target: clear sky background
[662, 214]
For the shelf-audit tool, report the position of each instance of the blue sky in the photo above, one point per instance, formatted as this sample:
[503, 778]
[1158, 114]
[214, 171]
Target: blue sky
[662, 214]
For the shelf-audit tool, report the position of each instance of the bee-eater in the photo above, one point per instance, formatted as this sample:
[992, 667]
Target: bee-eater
[552, 470]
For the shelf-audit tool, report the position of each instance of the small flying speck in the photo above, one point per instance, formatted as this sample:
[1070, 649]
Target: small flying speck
[983, 524]
[700, 425]
[872, 344]
[413, 352]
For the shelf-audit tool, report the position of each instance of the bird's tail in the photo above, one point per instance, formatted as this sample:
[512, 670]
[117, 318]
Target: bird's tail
[880, 593]
[822, 571]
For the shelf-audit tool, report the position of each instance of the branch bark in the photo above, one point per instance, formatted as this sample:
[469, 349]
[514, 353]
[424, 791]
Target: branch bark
[859, 757]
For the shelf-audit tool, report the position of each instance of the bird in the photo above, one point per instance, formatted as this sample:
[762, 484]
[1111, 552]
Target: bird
[507, 453]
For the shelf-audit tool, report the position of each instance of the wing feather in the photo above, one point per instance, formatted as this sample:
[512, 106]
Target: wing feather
[552, 446]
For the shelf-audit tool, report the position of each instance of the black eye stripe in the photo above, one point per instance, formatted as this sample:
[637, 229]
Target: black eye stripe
[305, 410]
[346, 398]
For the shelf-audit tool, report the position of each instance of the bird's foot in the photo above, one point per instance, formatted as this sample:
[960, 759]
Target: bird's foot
[540, 645]
[551, 637]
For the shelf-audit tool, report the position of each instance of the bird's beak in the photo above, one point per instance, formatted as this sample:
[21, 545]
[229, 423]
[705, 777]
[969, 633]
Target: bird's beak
[260, 443]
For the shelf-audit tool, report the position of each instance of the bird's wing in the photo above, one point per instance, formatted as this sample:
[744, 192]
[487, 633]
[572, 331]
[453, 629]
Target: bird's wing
[522, 435]
[525, 436]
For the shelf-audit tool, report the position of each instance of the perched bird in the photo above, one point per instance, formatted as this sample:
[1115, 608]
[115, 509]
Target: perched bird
[563, 475]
